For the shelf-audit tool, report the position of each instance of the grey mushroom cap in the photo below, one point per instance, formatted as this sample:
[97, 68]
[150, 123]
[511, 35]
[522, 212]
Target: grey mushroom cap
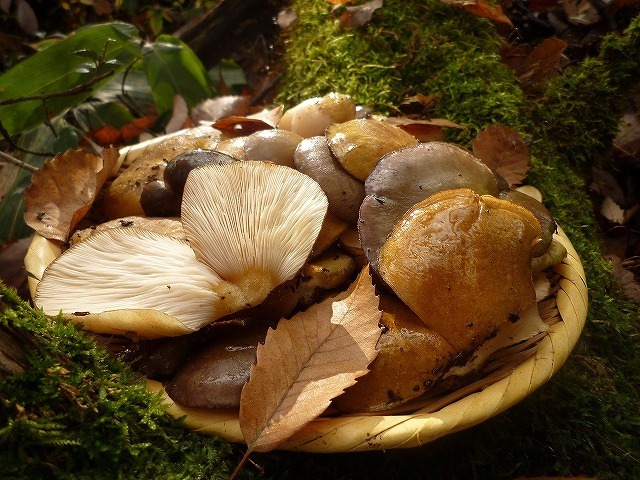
[407, 176]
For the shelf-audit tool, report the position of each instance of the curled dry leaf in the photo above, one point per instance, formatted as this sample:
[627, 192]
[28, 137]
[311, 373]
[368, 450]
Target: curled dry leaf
[359, 15]
[503, 150]
[480, 8]
[534, 64]
[241, 126]
[64, 189]
[306, 362]
[424, 130]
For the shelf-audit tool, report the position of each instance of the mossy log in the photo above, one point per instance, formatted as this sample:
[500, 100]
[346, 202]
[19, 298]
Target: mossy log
[77, 413]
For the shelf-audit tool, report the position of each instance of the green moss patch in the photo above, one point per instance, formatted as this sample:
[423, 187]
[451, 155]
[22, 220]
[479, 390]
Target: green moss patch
[77, 413]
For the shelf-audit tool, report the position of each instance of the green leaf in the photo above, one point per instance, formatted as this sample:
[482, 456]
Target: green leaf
[59, 68]
[173, 68]
[39, 139]
[232, 75]
[90, 115]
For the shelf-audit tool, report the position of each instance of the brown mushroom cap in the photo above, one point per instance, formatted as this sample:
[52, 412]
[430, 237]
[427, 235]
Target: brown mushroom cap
[276, 146]
[407, 176]
[462, 263]
[411, 358]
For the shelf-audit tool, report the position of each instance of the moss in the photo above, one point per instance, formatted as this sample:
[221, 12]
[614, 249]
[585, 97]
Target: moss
[408, 48]
[78, 413]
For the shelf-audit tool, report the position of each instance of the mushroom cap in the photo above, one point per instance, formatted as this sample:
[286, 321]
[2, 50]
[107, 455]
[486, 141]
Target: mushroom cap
[407, 176]
[543, 215]
[312, 116]
[359, 144]
[344, 193]
[276, 146]
[462, 263]
[411, 358]
[249, 227]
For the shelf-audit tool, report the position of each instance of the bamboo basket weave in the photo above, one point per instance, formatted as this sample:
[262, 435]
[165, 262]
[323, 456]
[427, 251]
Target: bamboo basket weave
[510, 375]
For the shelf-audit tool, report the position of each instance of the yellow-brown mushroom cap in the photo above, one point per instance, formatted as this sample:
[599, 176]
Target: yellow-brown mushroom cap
[462, 263]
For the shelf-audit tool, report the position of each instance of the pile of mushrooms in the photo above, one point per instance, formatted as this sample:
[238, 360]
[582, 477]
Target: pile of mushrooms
[212, 238]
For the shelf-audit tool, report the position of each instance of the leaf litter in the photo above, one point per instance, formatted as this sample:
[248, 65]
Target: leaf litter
[306, 362]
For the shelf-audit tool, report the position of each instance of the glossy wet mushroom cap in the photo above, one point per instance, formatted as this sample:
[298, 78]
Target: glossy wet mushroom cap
[359, 144]
[462, 263]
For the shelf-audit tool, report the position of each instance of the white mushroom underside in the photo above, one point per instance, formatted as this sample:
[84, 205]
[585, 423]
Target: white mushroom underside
[130, 269]
[250, 216]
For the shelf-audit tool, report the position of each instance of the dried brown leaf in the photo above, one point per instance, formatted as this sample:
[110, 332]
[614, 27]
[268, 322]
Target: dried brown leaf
[214, 109]
[480, 8]
[612, 211]
[504, 151]
[306, 362]
[64, 189]
[534, 64]
[359, 15]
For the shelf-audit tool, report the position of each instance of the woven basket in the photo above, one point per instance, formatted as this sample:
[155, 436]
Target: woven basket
[510, 376]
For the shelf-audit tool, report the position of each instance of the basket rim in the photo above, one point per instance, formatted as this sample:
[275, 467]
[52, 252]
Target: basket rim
[351, 433]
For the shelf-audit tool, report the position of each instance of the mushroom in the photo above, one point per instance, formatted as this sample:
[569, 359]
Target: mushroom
[168, 226]
[359, 144]
[122, 197]
[314, 115]
[407, 176]
[249, 227]
[411, 358]
[213, 376]
[344, 192]
[275, 146]
[462, 263]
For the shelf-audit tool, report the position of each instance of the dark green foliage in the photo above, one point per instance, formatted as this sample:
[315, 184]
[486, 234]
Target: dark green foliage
[78, 413]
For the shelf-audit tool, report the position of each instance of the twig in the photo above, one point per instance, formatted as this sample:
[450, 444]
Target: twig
[12, 144]
[83, 87]
[19, 163]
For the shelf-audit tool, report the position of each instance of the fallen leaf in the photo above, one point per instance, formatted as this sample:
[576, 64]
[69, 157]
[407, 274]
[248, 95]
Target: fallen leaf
[306, 362]
[503, 150]
[107, 135]
[628, 274]
[359, 15]
[580, 12]
[26, 17]
[533, 65]
[612, 211]
[214, 109]
[423, 130]
[12, 271]
[102, 7]
[606, 185]
[627, 141]
[419, 104]
[64, 189]
[179, 114]
[480, 8]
